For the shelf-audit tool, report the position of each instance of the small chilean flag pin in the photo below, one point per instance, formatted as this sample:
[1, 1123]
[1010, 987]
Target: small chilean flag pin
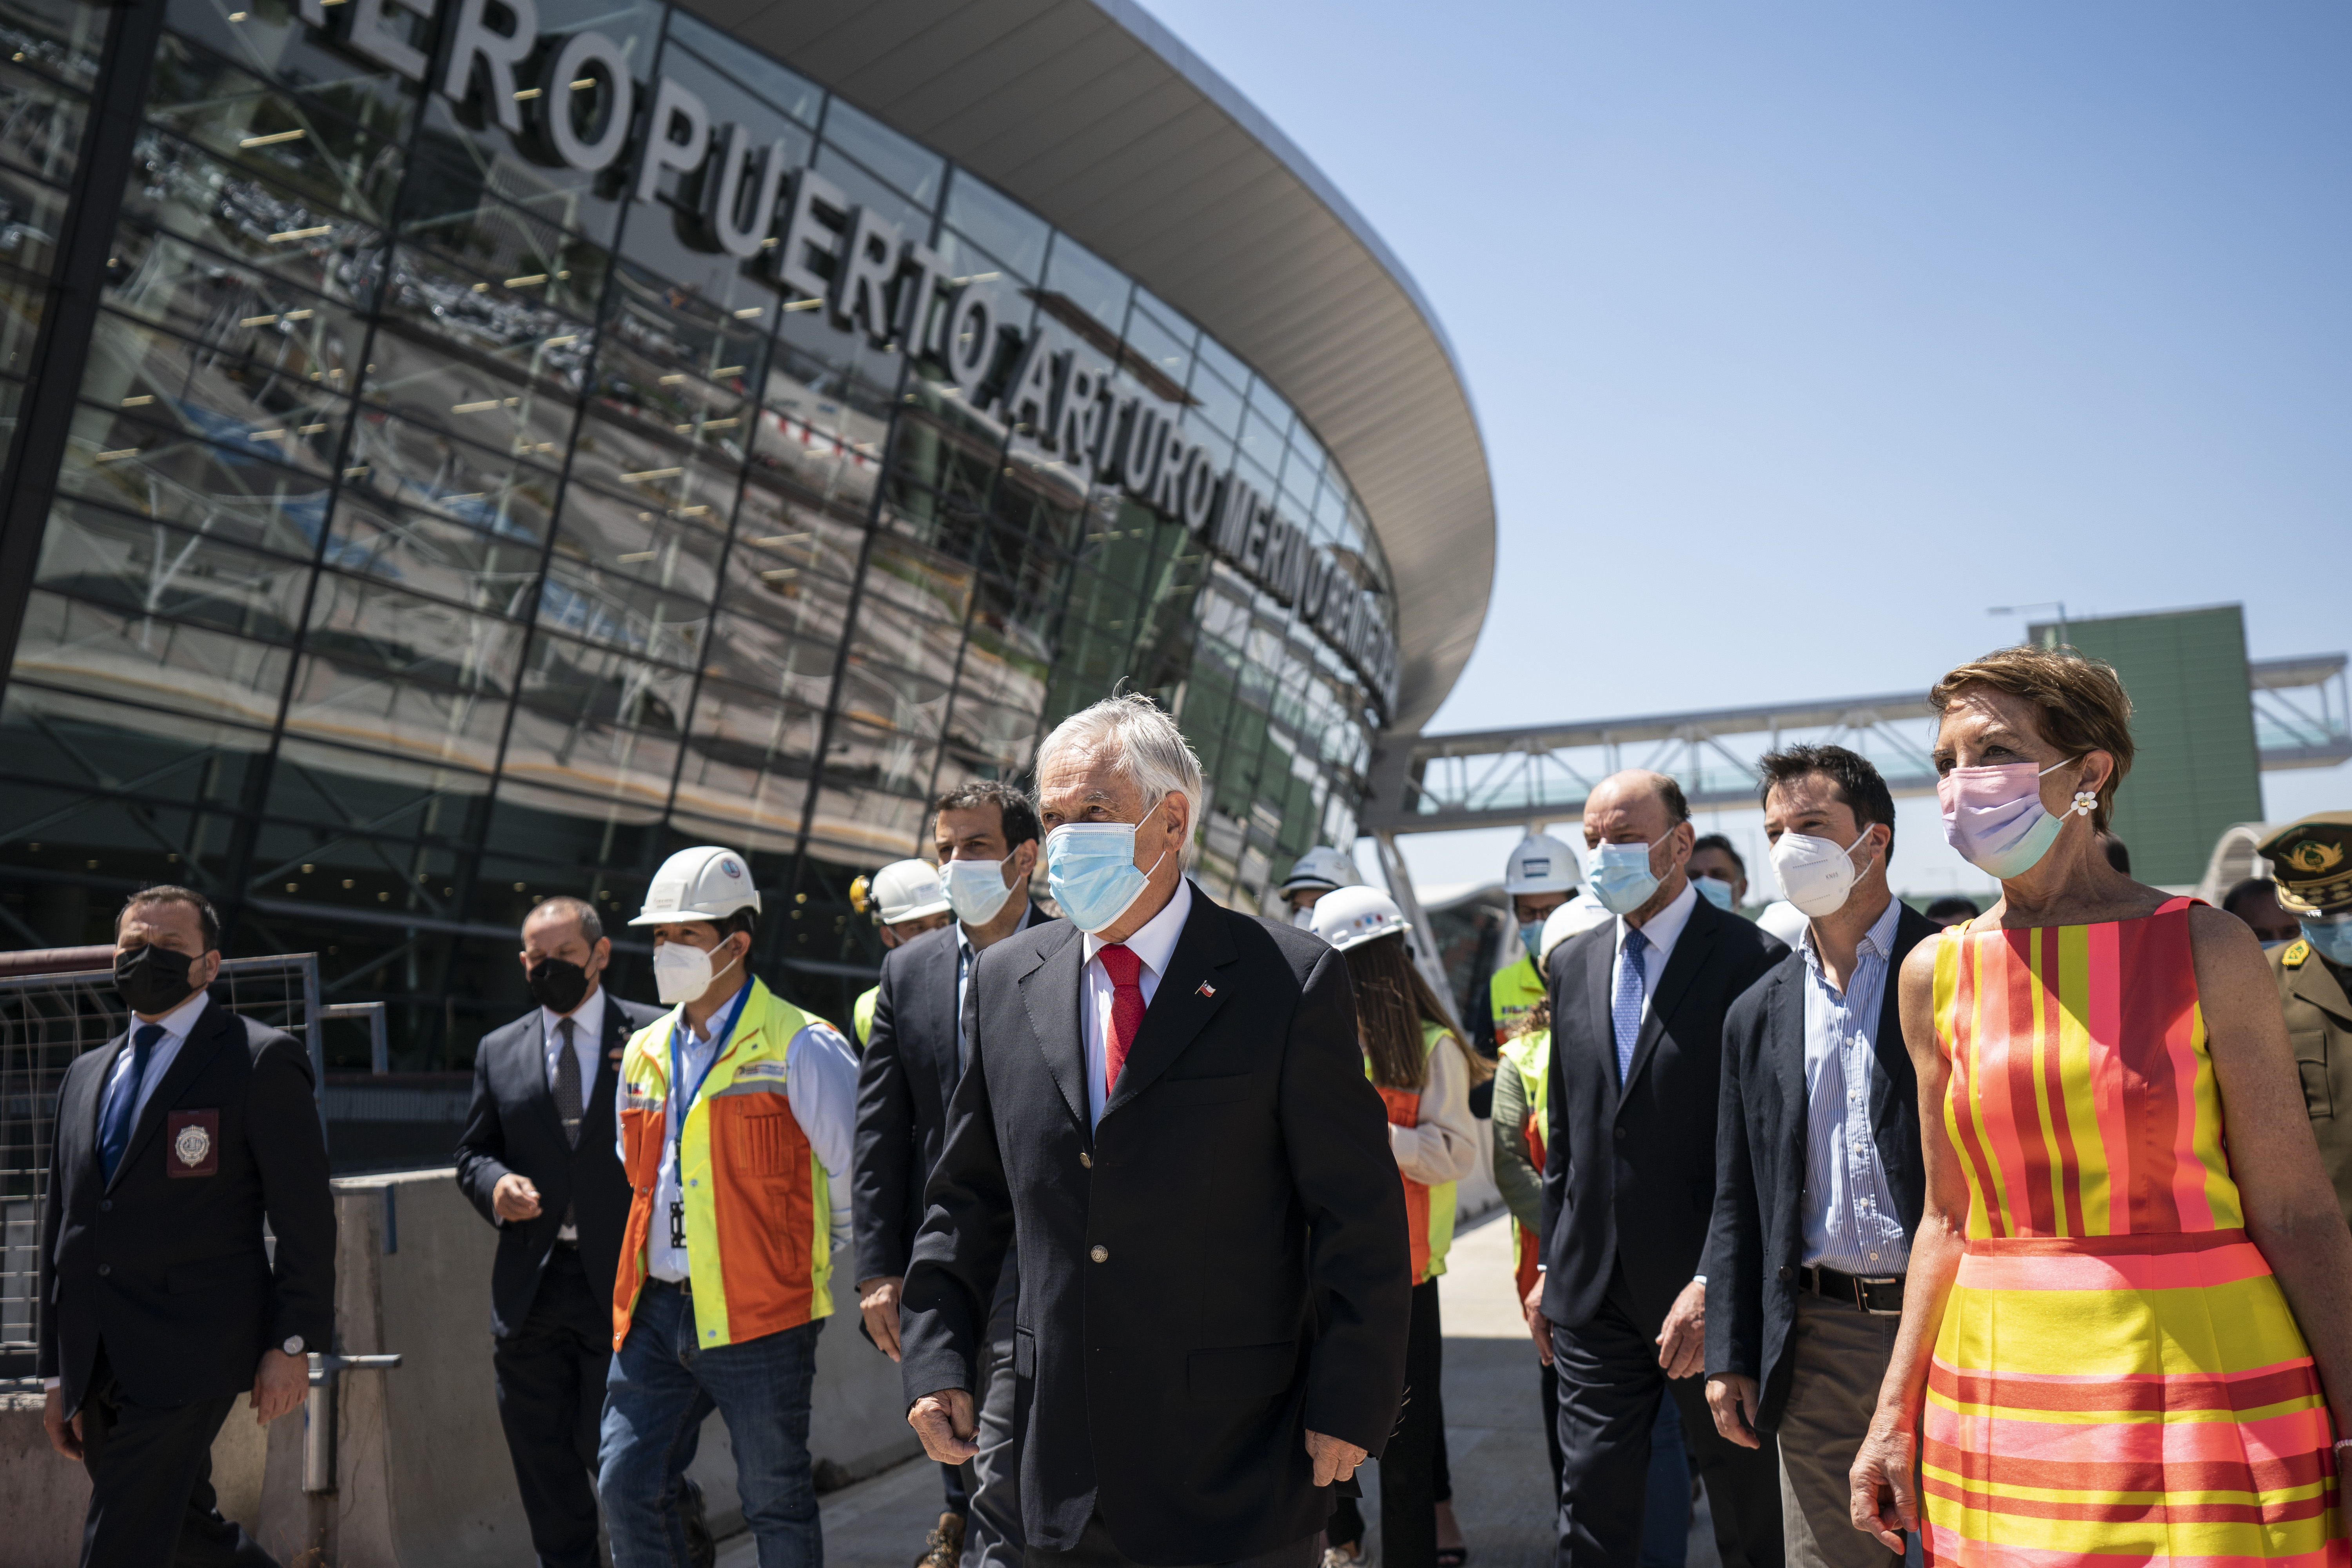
[1206, 990]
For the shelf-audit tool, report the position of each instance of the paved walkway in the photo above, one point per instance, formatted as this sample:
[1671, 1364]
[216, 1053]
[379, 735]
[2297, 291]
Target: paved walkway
[1502, 1480]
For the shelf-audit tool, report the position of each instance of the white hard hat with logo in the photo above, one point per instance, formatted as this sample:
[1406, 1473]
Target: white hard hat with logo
[1321, 866]
[1580, 914]
[1350, 915]
[906, 891]
[707, 883]
[1541, 864]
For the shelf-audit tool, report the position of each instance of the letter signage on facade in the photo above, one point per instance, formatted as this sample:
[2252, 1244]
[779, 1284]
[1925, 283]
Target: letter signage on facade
[1057, 393]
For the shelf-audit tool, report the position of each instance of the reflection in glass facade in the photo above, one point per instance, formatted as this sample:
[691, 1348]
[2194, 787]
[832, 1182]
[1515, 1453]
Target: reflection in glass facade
[442, 528]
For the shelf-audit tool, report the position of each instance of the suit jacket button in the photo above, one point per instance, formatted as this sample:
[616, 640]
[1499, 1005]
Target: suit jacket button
[1101, 1254]
[1787, 1273]
[1621, 1135]
[106, 1205]
[1086, 1159]
[106, 1268]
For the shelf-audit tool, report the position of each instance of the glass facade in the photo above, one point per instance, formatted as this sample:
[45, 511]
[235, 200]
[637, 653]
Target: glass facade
[443, 527]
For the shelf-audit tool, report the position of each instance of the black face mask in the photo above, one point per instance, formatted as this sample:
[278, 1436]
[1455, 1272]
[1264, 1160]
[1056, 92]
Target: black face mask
[152, 980]
[557, 985]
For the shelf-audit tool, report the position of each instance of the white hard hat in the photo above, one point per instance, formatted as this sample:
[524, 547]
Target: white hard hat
[1350, 915]
[703, 884]
[1784, 919]
[907, 890]
[1574, 918]
[1321, 866]
[1541, 864]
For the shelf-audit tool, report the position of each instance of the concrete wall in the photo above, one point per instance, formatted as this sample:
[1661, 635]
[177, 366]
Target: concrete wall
[423, 1476]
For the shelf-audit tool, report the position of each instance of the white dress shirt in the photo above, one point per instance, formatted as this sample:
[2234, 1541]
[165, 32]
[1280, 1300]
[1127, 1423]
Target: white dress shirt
[1155, 944]
[965, 956]
[1665, 929]
[177, 1026]
[820, 1085]
[587, 1030]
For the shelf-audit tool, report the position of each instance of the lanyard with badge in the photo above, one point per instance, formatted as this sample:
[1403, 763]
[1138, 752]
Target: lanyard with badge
[719, 1039]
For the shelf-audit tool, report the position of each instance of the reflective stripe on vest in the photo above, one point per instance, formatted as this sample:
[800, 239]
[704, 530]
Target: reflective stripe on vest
[862, 1015]
[758, 1215]
[1513, 993]
[1428, 1211]
[1530, 1054]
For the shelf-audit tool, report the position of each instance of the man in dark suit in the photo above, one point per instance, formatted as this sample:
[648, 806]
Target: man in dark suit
[1166, 1111]
[537, 1158]
[159, 1302]
[1819, 1181]
[986, 836]
[1637, 1012]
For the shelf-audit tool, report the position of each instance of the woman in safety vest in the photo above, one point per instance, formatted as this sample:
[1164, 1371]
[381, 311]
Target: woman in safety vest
[1425, 1074]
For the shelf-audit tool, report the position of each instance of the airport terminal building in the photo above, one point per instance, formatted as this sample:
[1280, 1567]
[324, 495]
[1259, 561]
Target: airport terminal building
[462, 450]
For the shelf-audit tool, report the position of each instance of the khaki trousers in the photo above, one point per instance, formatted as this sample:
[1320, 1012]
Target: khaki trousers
[1840, 1358]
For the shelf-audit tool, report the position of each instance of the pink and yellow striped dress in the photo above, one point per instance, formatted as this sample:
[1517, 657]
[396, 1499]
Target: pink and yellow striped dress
[2118, 1378]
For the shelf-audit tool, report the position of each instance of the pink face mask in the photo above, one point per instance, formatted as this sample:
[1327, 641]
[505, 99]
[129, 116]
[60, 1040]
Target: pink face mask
[1994, 816]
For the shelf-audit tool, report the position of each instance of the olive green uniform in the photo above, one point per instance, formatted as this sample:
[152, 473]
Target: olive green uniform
[2312, 991]
[2311, 868]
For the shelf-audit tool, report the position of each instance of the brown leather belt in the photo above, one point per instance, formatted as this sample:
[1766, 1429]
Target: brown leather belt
[1879, 1297]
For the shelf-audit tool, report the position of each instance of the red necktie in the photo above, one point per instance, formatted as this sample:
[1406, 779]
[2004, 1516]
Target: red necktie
[1124, 968]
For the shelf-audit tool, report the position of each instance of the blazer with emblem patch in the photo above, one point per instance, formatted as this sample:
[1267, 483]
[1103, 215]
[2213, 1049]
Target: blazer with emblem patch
[1218, 1268]
[165, 1266]
[512, 1125]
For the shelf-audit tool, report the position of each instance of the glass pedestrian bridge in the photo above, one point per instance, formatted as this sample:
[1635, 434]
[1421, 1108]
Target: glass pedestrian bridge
[1502, 778]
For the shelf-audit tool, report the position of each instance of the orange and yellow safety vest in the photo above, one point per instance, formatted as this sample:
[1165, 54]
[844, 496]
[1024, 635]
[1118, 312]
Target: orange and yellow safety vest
[1429, 1211]
[1531, 1055]
[758, 1215]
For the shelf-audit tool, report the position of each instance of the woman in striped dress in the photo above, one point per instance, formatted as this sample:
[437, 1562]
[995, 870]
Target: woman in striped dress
[2127, 1326]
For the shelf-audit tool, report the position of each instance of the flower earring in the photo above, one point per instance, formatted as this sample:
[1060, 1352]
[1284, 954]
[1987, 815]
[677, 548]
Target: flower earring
[2086, 801]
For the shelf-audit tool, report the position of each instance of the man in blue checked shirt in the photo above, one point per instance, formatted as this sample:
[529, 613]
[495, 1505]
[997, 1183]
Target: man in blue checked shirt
[1819, 1181]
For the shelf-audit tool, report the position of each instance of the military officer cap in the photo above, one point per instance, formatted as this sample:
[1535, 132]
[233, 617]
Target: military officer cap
[2311, 861]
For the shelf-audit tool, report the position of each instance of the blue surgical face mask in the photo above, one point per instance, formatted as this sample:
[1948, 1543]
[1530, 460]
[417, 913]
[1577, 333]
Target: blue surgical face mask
[1091, 869]
[1714, 890]
[1531, 938]
[1619, 875]
[2330, 937]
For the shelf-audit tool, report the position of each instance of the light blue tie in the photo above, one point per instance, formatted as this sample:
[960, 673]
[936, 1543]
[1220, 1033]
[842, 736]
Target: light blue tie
[114, 1127]
[1626, 1010]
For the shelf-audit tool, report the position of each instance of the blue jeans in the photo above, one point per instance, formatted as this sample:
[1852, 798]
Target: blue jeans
[659, 1392]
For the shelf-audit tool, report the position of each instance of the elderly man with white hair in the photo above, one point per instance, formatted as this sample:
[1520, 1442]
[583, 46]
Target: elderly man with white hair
[1165, 1113]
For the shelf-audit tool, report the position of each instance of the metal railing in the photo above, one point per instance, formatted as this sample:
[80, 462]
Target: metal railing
[46, 1021]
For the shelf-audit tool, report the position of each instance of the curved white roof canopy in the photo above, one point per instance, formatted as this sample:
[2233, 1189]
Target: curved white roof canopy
[1101, 121]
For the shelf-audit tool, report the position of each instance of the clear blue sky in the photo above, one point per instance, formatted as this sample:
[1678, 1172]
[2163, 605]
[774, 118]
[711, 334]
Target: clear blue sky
[1800, 333]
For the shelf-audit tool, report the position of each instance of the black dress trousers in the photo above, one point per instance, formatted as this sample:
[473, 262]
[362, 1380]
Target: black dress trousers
[150, 1476]
[1610, 1385]
[551, 1379]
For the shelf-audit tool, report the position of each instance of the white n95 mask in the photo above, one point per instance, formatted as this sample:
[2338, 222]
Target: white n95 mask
[1815, 874]
[681, 973]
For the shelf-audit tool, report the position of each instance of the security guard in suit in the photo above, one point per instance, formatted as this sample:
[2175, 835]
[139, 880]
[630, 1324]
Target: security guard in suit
[159, 1302]
[2312, 862]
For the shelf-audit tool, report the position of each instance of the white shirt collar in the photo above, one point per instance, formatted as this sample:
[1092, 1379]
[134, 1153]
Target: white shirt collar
[587, 1020]
[1665, 929]
[180, 1022]
[1155, 943]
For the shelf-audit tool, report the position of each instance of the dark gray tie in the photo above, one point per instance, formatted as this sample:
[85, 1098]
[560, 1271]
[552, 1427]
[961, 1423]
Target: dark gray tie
[567, 1093]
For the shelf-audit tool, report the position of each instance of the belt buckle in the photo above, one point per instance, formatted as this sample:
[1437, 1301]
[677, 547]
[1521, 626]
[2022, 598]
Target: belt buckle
[1861, 1297]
